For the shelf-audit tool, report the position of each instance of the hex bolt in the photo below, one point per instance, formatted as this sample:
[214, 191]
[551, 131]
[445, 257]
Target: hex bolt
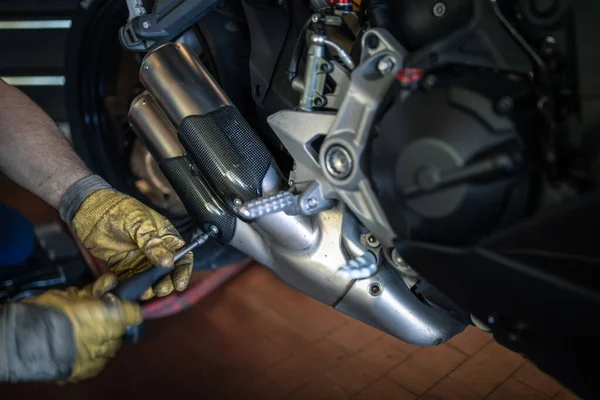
[401, 265]
[372, 41]
[549, 45]
[372, 241]
[375, 289]
[396, 258]
[312, 203]
[338, 162]
[146, 25]
[385, 65]
[439, 9]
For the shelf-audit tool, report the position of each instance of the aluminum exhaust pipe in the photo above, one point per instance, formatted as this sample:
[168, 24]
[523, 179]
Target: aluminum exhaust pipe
[153, 128]
[180, 83]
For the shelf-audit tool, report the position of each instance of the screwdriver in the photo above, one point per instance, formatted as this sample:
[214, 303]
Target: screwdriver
[133, 288]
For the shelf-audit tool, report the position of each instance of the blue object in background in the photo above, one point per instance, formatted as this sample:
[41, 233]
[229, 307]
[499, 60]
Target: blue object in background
[17, 238]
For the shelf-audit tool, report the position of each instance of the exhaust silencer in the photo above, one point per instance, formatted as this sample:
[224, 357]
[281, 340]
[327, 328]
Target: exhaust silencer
[232, 164]
[216, 137]
[157, 133]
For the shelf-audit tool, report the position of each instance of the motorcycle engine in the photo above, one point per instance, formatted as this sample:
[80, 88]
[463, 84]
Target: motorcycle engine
[411, 122]
[448, 162]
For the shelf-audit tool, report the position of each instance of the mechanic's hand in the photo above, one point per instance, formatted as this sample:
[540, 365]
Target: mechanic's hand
[98, 325]
[130, 237]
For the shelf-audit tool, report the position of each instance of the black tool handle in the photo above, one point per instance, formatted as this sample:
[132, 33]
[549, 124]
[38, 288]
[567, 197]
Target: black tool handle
[133, 288]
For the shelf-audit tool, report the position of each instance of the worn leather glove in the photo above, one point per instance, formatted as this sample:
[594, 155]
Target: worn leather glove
[64, 335]
[126, 234]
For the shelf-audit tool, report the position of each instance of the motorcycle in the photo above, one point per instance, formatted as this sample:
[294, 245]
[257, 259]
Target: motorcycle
[417, 165]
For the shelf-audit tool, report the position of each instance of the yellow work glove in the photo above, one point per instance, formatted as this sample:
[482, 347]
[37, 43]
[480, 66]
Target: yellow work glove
[130, 237]
[97, 325]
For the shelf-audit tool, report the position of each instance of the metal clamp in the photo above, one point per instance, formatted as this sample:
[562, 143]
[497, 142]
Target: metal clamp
[169, 19]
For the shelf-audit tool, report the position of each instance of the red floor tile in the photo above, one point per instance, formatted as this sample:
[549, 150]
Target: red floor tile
[447, 389]
[354, 335]
[360, 370]
[565, 394]
[513, 389]
[385, 389]
[470, 341]
[531, 376]
[424, 369]
[322, 388]
[487, 369]
[305, 365]
[261, 387]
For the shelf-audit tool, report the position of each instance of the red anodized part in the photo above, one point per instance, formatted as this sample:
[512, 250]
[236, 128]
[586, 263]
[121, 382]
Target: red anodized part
[409, 76]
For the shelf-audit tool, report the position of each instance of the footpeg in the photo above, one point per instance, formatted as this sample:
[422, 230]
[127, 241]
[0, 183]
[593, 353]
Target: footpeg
[311, 201]
[282, 201]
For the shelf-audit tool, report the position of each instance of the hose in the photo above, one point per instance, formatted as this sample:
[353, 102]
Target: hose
[297, 52]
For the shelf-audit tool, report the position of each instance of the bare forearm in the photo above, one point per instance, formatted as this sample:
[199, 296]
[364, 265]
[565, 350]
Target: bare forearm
[33, 151]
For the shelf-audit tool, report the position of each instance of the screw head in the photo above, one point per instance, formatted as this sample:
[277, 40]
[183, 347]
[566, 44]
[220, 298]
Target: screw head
[319, 102]
[375, 289]
[385, 65]
[439, 9]
[315, 18]
[338, 162]
[146, 25]
[237, 202]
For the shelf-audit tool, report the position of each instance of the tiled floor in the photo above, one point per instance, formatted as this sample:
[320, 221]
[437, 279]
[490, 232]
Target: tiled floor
[259, 339]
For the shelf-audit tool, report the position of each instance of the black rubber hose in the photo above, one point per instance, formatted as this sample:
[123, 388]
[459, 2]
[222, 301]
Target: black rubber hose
[297, 52]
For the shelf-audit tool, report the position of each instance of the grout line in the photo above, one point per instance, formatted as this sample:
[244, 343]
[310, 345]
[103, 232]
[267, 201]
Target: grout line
[504, 381]
[531, 387]
[445, 376]
[461, 351]
[456, 383]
